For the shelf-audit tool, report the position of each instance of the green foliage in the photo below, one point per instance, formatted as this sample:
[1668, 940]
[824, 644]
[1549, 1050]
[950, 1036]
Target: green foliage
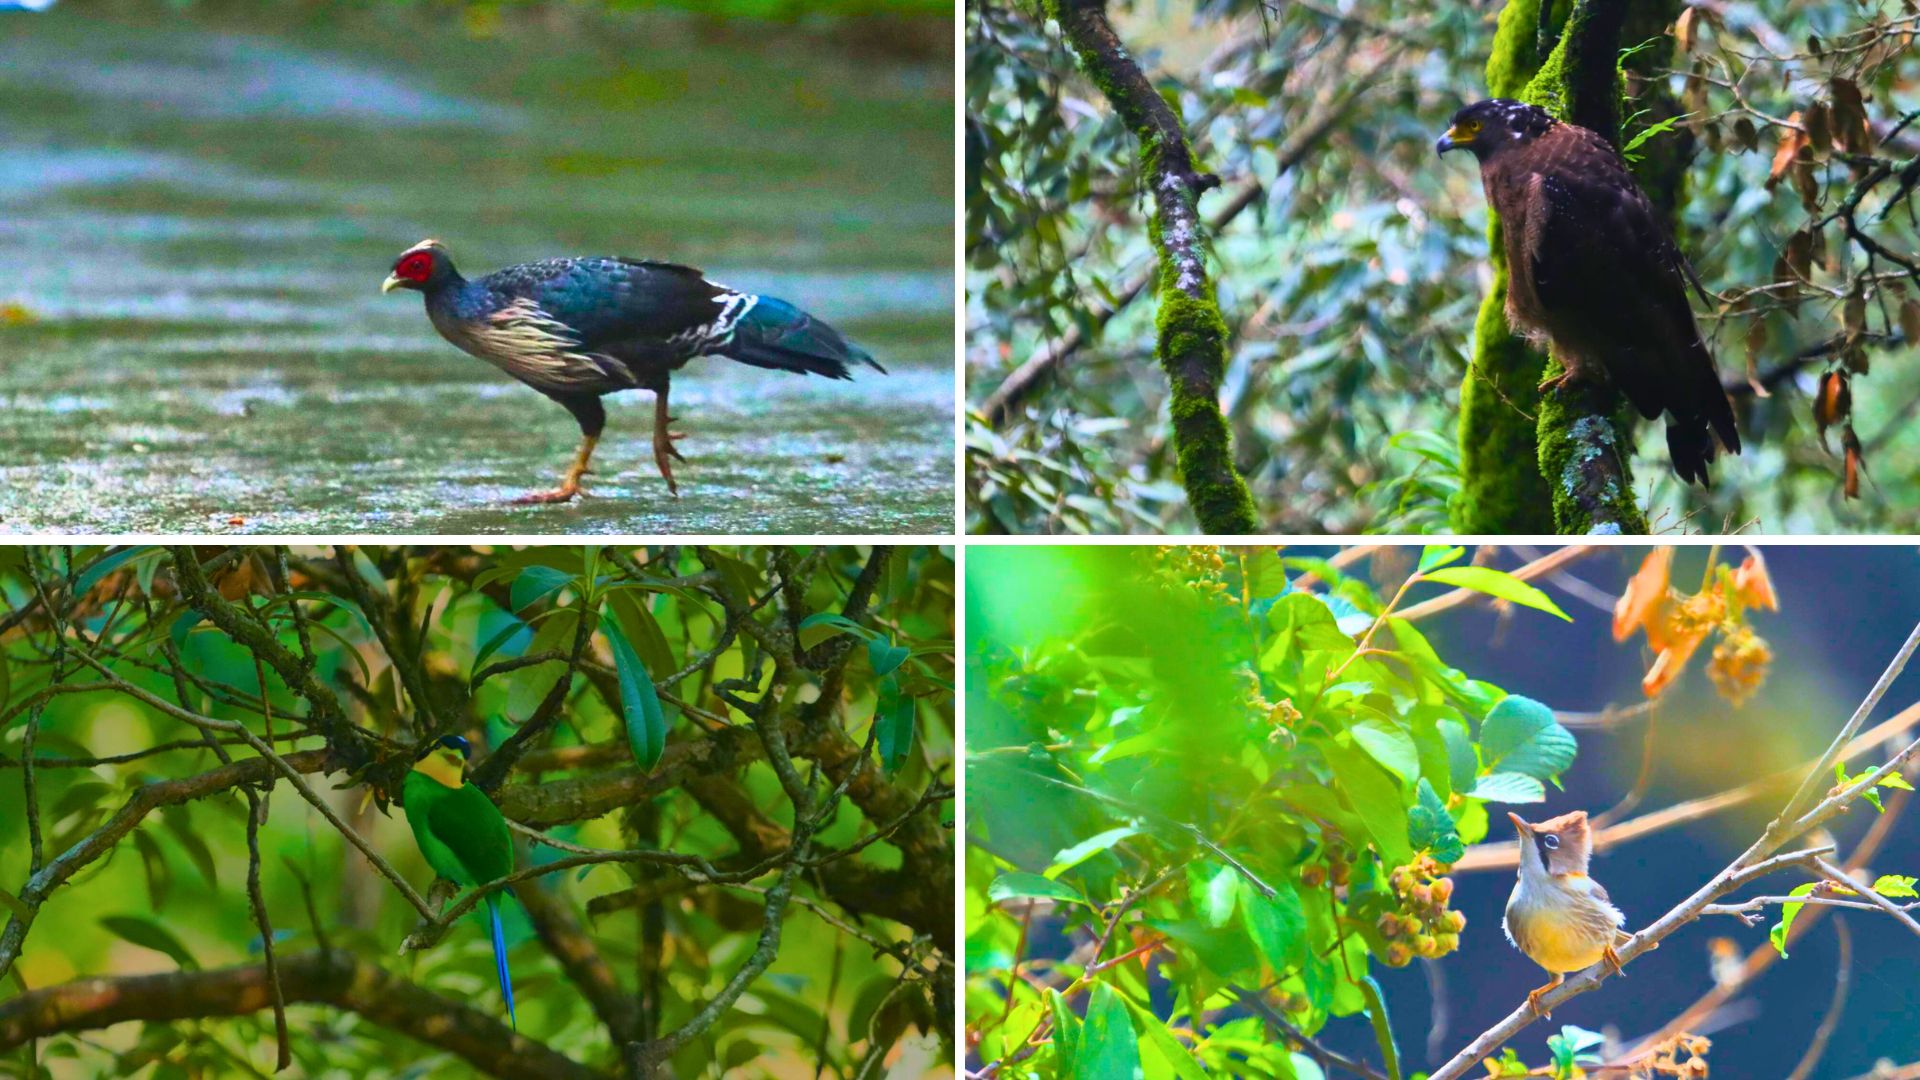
[1236, 784]
[366, 651]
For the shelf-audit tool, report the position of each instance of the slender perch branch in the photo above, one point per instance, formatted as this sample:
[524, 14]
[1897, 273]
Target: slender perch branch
[1192, 336]
[330, 977]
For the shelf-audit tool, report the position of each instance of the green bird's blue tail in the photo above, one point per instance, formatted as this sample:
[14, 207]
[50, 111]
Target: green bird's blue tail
[500, 958]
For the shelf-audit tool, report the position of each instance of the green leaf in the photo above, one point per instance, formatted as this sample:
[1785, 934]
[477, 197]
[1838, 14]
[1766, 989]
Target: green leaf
[1788, 913]
[1066, 1031]
[497, 642]
[1177, 1056]
[150, 935]
[1278, 926]
[1382, 1031]
[1375, 798]
[895, 716]
[1217, 899]
[179, 822]
[1462, 761]
[1108, 1049]
[1389, 744]
[1508, 787]
[885, 656]
[105, 565]
[822, 625]
[1435, 556]
[1070, 857]
[639, 701]
[1018, 884]
[1520, 735]
[536, 583]
[643, 630]
[1431, 828]
[1895, 780]
[1894, 885]
[15, 904]
[1498, 584]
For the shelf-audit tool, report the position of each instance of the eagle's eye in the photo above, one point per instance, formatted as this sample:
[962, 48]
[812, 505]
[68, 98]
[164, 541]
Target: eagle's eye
[1552, 842]
[1469, 127]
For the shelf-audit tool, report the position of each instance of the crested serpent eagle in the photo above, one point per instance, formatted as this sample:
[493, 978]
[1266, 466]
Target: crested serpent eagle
[1593, 272]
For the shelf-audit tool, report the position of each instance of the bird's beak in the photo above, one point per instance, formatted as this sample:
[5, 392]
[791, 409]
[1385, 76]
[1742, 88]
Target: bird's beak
[1447, 142]
[393, 282]
[1520, 824]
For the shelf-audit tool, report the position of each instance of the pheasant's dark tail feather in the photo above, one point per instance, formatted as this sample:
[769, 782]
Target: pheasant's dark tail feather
[775, 334]
[500, 958]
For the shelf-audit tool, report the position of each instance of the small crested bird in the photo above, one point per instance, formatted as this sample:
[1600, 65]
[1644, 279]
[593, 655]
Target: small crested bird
[578, 329]
[1558, 916]
[462, 834]
[1594, 273]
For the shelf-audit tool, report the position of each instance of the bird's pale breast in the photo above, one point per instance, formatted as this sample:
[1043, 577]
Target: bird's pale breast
[1562, 928]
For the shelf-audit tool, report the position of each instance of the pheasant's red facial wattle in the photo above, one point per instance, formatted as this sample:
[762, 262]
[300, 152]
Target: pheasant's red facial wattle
[414, 266]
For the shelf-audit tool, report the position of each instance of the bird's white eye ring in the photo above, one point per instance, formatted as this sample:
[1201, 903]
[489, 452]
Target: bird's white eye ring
[1552, 842]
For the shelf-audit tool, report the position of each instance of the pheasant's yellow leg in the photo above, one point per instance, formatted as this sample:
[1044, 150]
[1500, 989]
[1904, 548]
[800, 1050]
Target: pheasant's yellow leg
[570, 483]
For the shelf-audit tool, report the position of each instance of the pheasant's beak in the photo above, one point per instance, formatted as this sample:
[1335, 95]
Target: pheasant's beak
[393, 282]
[1520, 824]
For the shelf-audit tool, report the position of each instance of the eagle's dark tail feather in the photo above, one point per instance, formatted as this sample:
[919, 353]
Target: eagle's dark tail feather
[1691, 447]
[775, 334]
[1690, 433]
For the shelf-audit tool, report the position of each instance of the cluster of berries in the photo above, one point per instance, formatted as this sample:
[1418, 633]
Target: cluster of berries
[1200, 567]
[1423, 926]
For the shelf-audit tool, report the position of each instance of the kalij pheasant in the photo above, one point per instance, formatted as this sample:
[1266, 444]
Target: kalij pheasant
[575, 329]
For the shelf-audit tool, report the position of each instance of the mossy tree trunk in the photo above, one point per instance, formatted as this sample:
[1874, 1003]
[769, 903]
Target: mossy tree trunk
[1568, 469]
[1192, 336]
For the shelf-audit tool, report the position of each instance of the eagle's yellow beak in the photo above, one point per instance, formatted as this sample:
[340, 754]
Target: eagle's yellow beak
[393, 282]
[1454, 139]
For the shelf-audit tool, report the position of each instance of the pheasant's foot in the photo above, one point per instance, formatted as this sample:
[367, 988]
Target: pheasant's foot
[564, 493]
[570, 483]
[665, 454]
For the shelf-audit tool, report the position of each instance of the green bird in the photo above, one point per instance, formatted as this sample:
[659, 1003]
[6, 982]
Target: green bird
[461, 832]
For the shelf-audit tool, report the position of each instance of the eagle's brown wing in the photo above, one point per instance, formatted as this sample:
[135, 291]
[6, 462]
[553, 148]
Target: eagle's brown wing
[1612, 281]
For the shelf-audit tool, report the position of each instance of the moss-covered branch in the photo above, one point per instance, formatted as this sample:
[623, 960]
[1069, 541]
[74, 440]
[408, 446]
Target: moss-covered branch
[1502, 490]
[1192, 336]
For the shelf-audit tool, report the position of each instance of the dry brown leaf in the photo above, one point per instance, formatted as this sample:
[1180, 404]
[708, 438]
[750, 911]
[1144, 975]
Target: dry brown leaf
[1855, 464]
[1819, 132]
[1910, 320]
[1684, 29]
[1850, 126]
[1833, 403]
[1792, 140]
[1853, 316]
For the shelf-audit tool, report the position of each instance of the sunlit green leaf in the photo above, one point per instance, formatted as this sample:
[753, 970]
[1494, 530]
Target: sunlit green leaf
[1018, 884]
[1108, 1048]
[1509, 787]
[1390, 745]
[1521, 735]
[1788, 913]
[1277, 924]
[1382, 1030]
[1897, 885]
[1430, 827]
[1498, 584]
